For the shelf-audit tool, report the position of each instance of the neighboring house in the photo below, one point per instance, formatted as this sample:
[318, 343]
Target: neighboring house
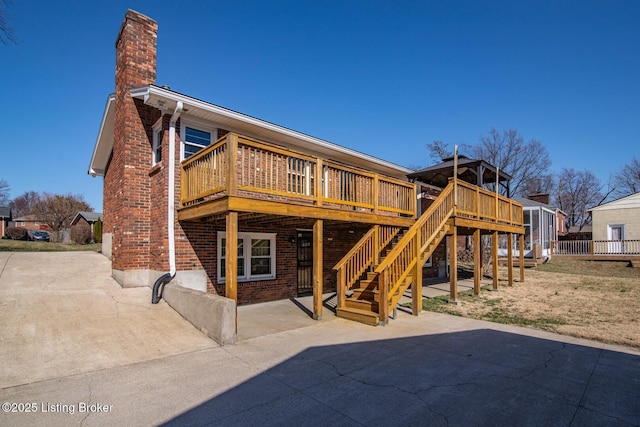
[234, 206]
[30, 222]
[616, 226]
[579, 233]
[541, 224]
[5, 217]
[89, 218]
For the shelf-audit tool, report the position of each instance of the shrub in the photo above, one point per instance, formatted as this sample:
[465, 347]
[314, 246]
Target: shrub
[81, 233]
[17, 233]
[97, 231]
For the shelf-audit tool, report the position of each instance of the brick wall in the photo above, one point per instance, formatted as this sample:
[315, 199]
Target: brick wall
[126, 182]
[198, 248]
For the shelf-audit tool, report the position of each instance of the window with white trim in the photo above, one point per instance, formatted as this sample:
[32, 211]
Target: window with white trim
[256, 256]
[195, 137]
[157, 142]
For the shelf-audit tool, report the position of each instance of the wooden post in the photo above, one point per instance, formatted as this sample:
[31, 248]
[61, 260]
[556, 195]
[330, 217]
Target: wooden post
[521, 242]
[477, 262]
[477, 216]
[376, 193]
[231, 260]
[376, 246]
[317, 269]
[497, 215]
[494, 254]
[416, 287]
[383, 303]
[453, 267]
[232, 167]
[510, 257]
[319, 188]
[455, 176]
[341, 287]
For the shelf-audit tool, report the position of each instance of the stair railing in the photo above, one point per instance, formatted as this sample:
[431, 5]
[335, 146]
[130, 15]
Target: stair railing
[394, 269]
[364, 255]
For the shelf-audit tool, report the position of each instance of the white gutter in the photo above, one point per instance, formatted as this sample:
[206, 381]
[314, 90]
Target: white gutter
[172, 191]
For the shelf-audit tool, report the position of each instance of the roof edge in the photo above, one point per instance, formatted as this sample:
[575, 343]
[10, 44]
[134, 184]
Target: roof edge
[144, 92]
[104, 141]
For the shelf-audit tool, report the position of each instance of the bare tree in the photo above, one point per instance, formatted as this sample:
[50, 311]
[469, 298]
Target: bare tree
[4, 192]
[439, 150]
[577, 192]
[627, 180]
[6, 32]
[526, 162]
[23, 204]
[58, 210]
[414, 167]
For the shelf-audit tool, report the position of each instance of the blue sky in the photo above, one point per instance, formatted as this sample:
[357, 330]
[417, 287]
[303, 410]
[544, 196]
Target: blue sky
[380, 77]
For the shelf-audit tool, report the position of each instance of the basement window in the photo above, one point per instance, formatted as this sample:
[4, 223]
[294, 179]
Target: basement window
[256, 256]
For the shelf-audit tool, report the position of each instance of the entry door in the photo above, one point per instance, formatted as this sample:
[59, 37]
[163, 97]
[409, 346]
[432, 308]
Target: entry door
[616, 237]
[305, 262]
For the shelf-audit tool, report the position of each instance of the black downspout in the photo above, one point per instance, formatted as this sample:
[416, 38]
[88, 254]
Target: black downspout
[157, 292]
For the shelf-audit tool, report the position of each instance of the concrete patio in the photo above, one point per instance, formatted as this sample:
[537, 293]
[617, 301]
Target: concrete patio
[150, 367]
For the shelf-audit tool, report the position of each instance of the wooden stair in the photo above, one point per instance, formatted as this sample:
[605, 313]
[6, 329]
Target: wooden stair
[362, 302]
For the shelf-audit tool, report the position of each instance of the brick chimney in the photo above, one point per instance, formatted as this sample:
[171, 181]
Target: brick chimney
[540, 198]
[127, 181]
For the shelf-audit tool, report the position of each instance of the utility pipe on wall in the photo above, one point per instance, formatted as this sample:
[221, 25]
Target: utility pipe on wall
[167, 277]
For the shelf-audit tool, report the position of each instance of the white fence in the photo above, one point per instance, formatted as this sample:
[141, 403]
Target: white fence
[596, 247]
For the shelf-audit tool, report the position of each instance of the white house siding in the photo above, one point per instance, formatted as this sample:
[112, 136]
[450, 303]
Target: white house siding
[625, 211]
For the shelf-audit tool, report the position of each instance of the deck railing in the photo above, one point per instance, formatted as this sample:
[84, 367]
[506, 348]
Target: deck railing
[238, 165]
[458, 199]
[477, 203]
[397, 265]
[595, 247]
[362, 257]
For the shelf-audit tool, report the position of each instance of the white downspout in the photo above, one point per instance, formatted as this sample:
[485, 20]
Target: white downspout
[171, 192]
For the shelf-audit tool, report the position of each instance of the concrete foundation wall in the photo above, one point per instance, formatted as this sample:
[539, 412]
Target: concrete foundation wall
[192, 279]
[135, 278]
[107, 238]
[212, 314]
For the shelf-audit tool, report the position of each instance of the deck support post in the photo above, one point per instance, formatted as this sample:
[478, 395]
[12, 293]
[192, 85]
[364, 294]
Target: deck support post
[521, 244]
[510, 257]
[453, 267]
[494, 260]
[416, 287]
[317, 269]
[383, 303]
[231, 260]
[477, 261]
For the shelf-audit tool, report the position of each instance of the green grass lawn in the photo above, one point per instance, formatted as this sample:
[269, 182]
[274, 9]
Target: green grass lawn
[25, 246]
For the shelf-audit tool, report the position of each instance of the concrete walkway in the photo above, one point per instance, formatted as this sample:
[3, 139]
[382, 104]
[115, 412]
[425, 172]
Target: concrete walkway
[429, 370]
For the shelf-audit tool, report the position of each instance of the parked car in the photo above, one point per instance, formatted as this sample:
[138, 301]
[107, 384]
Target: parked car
[41, 236]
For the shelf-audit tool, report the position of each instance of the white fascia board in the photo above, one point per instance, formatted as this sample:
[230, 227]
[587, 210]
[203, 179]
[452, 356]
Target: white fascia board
[166, 99]
[628, 202]
[104, 141]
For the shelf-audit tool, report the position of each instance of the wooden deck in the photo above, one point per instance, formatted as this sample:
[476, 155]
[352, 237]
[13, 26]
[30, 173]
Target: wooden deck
[377, 271]
[242, 174]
